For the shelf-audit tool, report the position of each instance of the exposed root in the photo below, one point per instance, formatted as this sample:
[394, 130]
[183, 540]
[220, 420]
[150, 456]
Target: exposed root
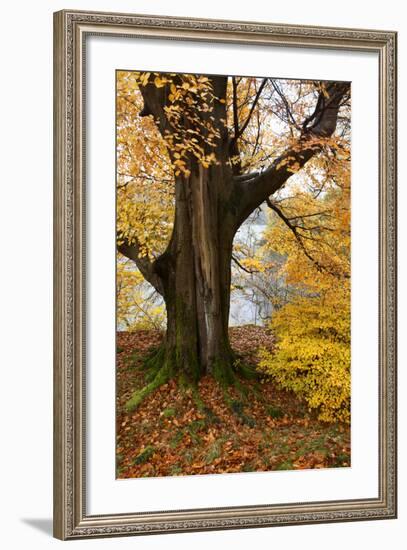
[246, 371]
[162, 365]
[162, 376]
[160, 369]
[223, 373]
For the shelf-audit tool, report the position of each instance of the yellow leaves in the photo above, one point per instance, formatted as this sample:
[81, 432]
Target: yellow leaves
[207, 160]
[313, 351]
[144, 77]
[291, 163]
[324, 91]
[190, 133]
[134, 311]
[145, 179]
[283, 162]
[294, 167]
[160, 82]
[313, 329]
[322, 224]
[180, 166]
[253, 264]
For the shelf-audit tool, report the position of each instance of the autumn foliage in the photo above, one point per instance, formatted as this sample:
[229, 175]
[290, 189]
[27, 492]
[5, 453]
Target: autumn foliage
[313, 328]
[228, 189]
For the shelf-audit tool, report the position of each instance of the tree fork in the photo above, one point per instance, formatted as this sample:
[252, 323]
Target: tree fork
[194, 274]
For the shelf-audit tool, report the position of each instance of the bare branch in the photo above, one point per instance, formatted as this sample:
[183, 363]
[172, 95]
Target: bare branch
[298, 238]
[241, 266]
[255, 101]
[235, 113]
[251, 192]
[290, 117]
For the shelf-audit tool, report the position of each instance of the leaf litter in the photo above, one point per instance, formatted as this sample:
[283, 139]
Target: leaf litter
[208, 430]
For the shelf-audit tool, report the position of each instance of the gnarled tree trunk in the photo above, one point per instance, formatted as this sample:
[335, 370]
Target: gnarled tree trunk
[194, 273]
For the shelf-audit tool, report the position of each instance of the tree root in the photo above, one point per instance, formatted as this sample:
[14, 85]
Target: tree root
[162, 376]
[244, 369]
[162, 365]
[160, 370]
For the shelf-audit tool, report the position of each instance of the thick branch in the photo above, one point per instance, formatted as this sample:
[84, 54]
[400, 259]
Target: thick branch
[146, 267]
[250, 192]
[155, 99]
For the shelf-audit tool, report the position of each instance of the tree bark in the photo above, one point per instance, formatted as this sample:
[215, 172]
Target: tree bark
[196, 274]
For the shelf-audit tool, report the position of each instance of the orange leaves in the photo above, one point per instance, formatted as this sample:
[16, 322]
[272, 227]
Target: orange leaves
[179, 431]
[315, 459]
[145, 180]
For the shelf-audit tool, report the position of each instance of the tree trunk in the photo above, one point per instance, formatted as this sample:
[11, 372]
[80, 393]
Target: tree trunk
[196, 272]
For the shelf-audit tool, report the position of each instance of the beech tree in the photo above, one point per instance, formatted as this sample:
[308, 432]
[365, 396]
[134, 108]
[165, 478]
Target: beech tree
[211, 150]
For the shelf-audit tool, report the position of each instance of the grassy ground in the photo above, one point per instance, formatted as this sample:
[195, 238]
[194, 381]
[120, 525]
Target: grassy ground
[209, 430]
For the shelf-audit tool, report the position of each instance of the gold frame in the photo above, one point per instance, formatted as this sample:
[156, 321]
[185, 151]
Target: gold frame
[70, 519]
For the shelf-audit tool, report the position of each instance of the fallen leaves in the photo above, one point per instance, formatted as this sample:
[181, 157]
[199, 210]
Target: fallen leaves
[183, 432]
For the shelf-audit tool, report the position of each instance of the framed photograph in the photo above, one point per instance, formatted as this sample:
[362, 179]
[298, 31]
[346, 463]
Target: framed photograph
[225, 274]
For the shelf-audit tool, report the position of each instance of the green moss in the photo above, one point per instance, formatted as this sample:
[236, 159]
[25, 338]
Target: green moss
[161, 377]
[238, 409]
[169, 412]
[132, 359]
[223, 373]
[186, 351]
[245, 371]
[189, 456]
[286, 465]
[145, 455]
[176, 470]
[176, 439]
[196, 426]
[200, 405]
[274, 412]
[154, 363]
[185, 384]
[215, 450]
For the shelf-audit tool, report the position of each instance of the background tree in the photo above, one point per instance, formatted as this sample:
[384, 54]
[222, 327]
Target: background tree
[208, 151]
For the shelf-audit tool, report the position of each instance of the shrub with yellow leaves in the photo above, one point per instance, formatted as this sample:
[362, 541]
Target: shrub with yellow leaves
[312, 233]
[313, 352]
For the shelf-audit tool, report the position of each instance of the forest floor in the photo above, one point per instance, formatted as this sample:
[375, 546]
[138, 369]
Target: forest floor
[178, 431]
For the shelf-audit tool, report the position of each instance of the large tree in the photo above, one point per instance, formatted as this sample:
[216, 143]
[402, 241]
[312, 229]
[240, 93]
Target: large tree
[209, 131]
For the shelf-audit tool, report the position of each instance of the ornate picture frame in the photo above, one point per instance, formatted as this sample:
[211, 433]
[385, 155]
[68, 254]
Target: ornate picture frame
[71, 517]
